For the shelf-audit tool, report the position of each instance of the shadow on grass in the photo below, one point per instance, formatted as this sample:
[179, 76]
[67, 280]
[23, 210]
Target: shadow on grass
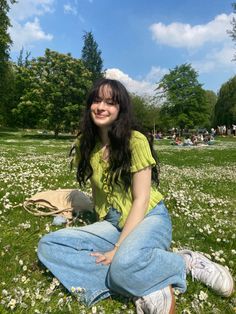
[33, 134]
[49, 136]
[7, 134]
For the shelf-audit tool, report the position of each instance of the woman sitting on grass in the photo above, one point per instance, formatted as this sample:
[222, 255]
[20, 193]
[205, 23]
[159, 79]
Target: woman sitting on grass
[127, 251]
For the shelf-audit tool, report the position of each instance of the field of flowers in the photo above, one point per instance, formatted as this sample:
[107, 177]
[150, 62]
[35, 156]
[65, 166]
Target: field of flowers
[200, 191]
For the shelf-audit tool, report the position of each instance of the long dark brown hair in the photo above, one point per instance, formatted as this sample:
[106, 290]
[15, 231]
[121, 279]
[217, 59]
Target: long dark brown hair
[119, 135]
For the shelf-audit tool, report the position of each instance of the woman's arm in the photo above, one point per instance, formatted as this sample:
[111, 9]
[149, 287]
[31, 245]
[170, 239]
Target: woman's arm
[141, 195]
[141, 186]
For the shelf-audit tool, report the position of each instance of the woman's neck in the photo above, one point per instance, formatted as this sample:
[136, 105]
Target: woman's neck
[103, 134]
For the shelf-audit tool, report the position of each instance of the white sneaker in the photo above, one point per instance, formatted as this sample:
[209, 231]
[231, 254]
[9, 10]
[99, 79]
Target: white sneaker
[211, 274]
[158, 302]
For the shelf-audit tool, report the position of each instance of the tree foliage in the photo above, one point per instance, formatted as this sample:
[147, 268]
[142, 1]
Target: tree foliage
[57, 85]
[232, 32]
[91, 56]
[225, 109]
[5, 66]
[211, 99]
[145, 113]
[183, 98]
[23, 116]
[5, 40]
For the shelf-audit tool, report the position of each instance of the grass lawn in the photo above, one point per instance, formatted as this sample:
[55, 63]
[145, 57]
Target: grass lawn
[199, 185]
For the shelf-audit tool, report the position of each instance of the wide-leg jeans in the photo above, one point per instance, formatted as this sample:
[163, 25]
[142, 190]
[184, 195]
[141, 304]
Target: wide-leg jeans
[141, 265]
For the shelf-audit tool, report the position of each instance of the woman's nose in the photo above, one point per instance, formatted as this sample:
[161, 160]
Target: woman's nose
[101, 105]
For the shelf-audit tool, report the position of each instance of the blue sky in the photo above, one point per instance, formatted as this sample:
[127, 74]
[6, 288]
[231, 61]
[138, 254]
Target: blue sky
[140, 40]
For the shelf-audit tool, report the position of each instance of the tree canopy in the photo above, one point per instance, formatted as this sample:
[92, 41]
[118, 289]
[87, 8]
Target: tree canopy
[146, 115]
[5, 66]
[225, 109]
[211, 99]
[232, 32]
[91, 56]
[57, 85]
[183, 98]
[5, 40]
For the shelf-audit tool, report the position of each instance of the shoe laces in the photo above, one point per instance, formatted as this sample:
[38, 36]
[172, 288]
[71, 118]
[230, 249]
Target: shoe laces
[200, 269]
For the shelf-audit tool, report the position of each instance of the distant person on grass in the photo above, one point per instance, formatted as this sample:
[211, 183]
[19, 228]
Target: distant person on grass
[127, 251]
[177, 140]
[187, 141]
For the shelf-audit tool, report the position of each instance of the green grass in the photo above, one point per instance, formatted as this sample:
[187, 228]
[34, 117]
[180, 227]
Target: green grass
[199, 188]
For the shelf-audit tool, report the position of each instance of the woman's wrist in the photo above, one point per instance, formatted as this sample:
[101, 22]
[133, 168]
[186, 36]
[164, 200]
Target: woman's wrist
[116, 245]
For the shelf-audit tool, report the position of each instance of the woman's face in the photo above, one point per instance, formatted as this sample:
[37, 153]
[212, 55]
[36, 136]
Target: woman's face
[103, 109]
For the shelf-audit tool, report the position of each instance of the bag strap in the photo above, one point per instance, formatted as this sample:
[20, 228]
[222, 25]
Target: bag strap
[53, 210]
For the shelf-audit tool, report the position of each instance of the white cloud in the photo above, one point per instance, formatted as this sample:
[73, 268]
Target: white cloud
[69, 9]
[224, 56]
[25, 9]
[155, 74]
[185, 35]
[142, 87]
[24, 35]
[217, 55]
[26, 29]
[203, 66]
[217, 59]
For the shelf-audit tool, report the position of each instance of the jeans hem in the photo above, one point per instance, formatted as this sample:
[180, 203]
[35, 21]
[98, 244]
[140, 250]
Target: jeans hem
[97, 296]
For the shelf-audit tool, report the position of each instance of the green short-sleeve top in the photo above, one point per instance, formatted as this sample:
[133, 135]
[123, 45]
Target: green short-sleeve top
[104, 196]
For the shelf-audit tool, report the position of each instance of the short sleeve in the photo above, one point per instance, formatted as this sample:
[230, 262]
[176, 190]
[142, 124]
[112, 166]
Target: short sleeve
[141, 156]
[75, 153]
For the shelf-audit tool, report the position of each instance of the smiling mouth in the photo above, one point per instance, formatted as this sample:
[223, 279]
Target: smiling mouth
[100, 116]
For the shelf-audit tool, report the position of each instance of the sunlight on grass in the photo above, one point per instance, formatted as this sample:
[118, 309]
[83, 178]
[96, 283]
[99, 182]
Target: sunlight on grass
[199, 188]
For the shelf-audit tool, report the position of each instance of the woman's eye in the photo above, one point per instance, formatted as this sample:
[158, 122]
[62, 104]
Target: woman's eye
[110, 102]
[97, 100]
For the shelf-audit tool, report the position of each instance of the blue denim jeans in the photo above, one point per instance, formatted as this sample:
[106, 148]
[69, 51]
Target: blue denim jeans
[141, 265]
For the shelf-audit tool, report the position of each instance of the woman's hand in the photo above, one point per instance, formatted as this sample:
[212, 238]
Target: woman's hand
[104, 258]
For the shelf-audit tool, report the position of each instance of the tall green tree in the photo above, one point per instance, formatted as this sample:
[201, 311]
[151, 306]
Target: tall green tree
[146, 114]
[183, 98]
[225, 108]
[56, 92]
[21, 83]
[23, 59]
[5, 66]
[91, 56]
[211, 99]
[232, 32]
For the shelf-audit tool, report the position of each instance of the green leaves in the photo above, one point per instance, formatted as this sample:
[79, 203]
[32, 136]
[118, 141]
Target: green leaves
[56, 88]
[225, 109]
[5, 66]
[184, 100]
[232, 32]
[91, 56]
[146, 115]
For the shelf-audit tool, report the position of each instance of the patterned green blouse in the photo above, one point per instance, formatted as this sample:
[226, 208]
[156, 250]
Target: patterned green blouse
[104, 196]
